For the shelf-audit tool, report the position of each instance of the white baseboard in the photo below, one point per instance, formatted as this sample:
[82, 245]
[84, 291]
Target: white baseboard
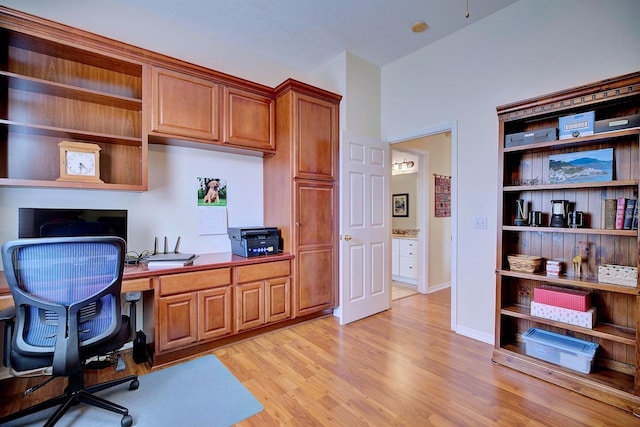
[476, 335]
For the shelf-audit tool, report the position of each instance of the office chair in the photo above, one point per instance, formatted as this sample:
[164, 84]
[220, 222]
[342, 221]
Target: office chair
[66, 292]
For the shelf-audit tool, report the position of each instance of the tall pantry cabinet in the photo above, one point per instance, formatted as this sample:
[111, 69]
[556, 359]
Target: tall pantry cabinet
[301, 191]
[526, 168]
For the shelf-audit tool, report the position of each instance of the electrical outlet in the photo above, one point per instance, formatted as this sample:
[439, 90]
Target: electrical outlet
[480, 222]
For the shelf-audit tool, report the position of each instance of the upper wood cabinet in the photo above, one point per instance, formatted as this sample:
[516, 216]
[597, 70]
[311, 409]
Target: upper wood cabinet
[199, 108]
[58, 83]
[249, 119]
[316, 135]
[184, 105]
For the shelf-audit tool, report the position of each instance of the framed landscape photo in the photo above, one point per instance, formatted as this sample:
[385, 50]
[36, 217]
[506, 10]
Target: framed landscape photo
[400, 204]
[581, 166]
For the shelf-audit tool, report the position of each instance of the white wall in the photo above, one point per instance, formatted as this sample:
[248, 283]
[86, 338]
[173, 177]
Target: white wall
[527, 49]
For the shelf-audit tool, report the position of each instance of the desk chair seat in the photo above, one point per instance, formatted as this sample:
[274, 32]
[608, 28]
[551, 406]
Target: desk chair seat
[66, 292]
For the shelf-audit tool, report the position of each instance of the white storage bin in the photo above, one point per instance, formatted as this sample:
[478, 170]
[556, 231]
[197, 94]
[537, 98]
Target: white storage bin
[562, 350]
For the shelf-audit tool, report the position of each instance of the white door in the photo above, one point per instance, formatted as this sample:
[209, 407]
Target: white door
[365, 248]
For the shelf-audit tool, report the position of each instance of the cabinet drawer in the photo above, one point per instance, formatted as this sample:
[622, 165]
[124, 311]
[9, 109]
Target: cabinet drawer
[408, 244]
[136, 285]
[267, 270]
[409, 252]
[409, 267]
[188, 282]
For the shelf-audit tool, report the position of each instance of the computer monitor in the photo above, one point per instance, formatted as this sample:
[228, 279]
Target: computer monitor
[53, 222]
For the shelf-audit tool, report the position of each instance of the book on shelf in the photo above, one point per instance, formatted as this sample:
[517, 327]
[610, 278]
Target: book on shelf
[634, 222]
[620, 208]
[610, 214]
[628, 214]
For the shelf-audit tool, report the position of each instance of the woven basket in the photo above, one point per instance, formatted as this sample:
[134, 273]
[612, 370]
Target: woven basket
[526, 263]
[618, 275]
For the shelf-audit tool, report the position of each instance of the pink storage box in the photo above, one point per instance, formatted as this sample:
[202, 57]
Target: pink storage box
[586, 319]
[565, 298]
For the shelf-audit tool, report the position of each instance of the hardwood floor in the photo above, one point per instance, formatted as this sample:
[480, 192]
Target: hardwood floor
[403, 367]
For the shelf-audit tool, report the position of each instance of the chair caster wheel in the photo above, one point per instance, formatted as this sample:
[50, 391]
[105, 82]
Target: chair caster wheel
[127, 421]
[134, 384]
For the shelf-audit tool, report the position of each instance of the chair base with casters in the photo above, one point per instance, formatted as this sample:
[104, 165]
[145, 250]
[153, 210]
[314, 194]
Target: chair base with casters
[76, 392]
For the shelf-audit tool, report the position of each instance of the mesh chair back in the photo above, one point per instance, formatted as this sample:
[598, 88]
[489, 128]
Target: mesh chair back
[66, 291]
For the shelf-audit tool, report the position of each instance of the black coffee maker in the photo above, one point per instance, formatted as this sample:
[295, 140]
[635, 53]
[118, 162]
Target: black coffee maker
[559, 213]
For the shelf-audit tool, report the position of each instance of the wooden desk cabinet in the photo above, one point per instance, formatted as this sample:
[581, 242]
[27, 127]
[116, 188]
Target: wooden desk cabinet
[193, 307]
[262, 294]
[198, 307]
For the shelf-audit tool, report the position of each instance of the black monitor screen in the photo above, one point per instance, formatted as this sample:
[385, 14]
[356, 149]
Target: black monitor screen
[40, 222]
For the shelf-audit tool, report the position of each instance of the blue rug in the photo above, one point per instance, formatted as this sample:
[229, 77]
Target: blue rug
[198, 393]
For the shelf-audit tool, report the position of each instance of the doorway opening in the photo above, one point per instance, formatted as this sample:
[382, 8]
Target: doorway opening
[435, 150]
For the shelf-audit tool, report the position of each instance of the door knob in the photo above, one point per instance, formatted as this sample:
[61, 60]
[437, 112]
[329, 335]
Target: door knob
[347, 237]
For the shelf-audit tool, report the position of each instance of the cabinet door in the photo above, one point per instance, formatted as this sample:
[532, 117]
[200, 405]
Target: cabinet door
[249, 305]
[278, 301]
[214, 313]
[314, 288]
[395, 257]
[316, 138]
[184, 105]
[249, 119]
[177, 319]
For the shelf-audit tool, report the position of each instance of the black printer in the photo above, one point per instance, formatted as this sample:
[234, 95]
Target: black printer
[254, 241]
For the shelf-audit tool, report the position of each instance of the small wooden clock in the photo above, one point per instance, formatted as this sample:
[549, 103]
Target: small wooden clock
[79, 162]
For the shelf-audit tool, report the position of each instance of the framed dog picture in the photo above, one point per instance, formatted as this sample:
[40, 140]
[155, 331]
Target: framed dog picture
[400, 204]
[212, 192]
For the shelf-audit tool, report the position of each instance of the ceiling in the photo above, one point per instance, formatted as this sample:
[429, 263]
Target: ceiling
[304, 34]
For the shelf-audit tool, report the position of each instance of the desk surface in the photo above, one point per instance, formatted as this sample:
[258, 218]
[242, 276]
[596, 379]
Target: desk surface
[202, 262]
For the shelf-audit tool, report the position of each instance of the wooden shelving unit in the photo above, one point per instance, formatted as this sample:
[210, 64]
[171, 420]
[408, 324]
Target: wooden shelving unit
[55, 89]
[524, 171]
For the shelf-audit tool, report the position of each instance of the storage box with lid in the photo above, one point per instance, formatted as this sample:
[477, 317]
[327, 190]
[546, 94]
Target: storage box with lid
[531, 137]
[573, 299]
[585, 319]
[576, 125]
[569, 352]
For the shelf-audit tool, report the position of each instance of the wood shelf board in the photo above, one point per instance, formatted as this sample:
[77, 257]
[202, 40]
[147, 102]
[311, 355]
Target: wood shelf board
[574, 142]
[70, 133]
[571, 186]
[9, 182]
[569, 230]
[602, 384]
[66, 51]
[570, 281]
[31, 84]
[606, 331]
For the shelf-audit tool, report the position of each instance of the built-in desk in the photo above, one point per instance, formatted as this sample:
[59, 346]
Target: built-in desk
[221, 298]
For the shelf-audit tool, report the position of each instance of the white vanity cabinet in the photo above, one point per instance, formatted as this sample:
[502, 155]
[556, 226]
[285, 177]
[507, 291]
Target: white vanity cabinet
[405, 260]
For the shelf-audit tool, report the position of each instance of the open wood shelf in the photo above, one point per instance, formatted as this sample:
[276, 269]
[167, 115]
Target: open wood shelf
[31, 84]
[600, 377]
[581, 185]
[601, 330]
[32, 129]
[574, 142]
[579, 230]
[566, 280]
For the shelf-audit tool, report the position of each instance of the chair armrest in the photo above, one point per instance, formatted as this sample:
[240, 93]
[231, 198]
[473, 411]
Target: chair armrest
[8, 314]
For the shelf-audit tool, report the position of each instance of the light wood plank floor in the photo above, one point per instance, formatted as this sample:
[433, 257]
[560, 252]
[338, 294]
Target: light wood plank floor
[403, 367]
